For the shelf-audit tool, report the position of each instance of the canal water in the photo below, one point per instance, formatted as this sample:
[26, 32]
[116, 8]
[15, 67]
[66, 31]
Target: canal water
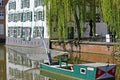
[22, 63]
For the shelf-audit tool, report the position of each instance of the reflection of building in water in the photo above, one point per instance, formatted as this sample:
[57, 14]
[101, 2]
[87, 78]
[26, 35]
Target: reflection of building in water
[21, 61]
[2, 63]
[18, 66]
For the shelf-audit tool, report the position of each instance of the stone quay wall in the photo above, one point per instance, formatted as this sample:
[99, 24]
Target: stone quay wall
[89, 51]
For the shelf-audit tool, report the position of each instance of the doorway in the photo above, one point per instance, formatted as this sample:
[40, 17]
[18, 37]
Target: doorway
[70, 32]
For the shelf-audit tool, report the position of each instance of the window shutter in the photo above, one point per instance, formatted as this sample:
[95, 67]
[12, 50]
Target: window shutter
[24, 17]
[15, 17]
[42, 29]
[30, 16]
[11, 17]
[40, 13]
[21, 17]
[14, 5]
[8, 17]
[21, 4]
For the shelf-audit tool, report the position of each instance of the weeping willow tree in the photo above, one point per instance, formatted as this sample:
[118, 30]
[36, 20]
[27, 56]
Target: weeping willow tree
[61, 12]
[56, 15]
[111, 15]
[92, 13]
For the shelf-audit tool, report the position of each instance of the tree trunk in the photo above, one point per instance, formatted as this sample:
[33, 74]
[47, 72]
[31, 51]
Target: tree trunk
[77, 25]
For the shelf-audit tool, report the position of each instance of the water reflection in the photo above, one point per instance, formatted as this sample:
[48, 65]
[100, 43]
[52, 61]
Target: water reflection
[20, 63]
[2, 63]
[23, 63]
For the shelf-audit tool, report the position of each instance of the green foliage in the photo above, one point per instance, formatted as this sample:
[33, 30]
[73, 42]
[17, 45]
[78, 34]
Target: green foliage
[62, 12]
[118, 72]
[111, 15]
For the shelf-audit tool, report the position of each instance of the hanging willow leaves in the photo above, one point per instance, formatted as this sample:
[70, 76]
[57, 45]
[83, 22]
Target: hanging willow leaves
[66, 12]
[111, 15]
[55, 12]
[60, 22]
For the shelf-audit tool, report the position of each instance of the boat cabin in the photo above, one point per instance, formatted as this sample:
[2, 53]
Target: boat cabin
[95, 71]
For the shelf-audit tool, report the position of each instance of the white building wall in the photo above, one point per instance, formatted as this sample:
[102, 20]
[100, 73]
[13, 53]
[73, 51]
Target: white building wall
[101, 29]
[27, 23]
[6, 8]
[31, 24]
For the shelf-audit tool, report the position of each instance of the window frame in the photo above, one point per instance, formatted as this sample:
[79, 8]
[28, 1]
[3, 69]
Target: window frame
[25, 4]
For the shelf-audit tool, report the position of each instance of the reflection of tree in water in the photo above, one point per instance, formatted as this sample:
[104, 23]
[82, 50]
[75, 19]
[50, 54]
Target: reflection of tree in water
[116, 58]
[75, 56]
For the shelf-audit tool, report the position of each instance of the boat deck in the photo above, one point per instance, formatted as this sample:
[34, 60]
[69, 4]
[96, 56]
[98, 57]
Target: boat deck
[70, 66]
[96, 64]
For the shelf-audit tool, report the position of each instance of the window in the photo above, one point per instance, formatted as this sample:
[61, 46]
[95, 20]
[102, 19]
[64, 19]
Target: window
[18, 32]
[26, 16]
[1, 15]
[12, 5]
[29, 16]
[38, 32]
[1, 29]
[25, 3]
[82, 70]
[11, 17]
[10, 32]
[1, 2]
[15, 32]
[15, 17]
[39, 15]
[38, 3]
[26, 33]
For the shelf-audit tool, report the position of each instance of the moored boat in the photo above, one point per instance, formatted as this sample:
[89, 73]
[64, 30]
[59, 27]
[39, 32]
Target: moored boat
[85, 71]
